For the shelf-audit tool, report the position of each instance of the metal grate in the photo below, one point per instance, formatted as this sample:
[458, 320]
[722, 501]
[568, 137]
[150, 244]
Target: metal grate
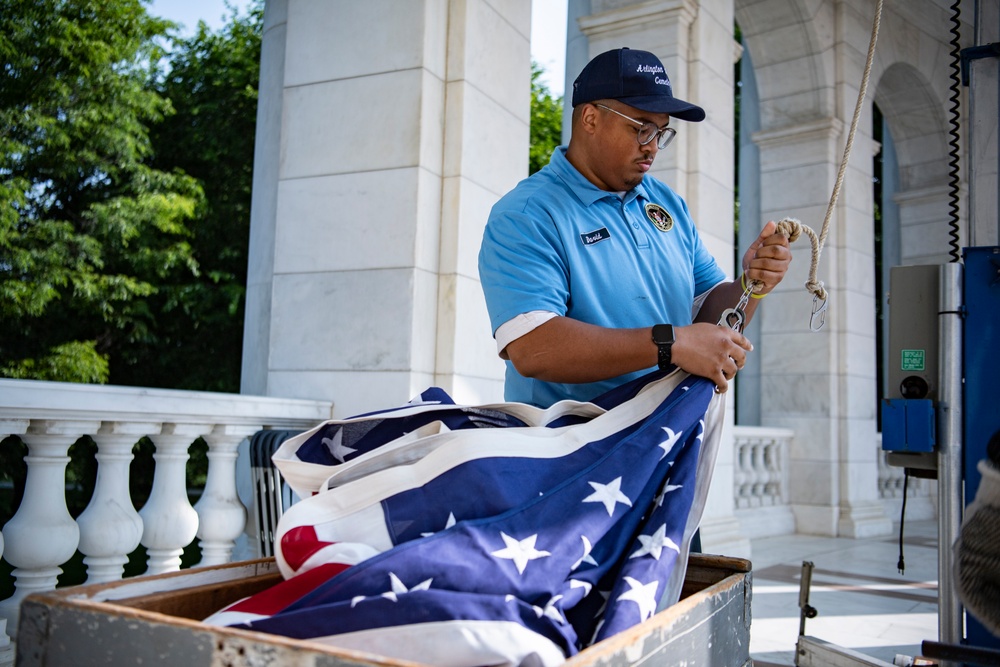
[270, 494]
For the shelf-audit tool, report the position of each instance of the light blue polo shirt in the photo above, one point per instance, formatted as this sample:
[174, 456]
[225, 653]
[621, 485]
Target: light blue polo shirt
[558, 243]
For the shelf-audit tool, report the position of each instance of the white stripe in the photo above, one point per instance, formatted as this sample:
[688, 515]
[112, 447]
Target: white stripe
[396, 471]
[224, 618]
[308, 478]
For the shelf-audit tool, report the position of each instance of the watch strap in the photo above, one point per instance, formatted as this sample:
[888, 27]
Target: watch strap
[663, 337]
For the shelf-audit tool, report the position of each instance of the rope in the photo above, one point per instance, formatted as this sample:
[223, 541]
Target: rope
[792, 228]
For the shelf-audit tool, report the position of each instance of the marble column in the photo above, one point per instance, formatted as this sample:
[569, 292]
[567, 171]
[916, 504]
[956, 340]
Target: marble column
[822, 384]
[386, 131]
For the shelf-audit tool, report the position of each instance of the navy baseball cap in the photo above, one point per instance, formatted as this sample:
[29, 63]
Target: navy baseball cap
[636, 78]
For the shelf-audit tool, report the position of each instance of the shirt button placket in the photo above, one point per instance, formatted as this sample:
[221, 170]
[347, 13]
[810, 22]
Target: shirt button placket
[638, 234]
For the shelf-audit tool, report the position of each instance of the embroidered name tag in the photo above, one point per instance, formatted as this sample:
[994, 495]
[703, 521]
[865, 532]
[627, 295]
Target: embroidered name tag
[590, 238]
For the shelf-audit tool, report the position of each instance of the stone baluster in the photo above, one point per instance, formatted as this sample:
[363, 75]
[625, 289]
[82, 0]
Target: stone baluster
[890, 478]
[746, 464]
[221, 515]
[741, 477]
[760, 475]
[766, 477]
[169, 522]
[883, 477]
[773, 463]
[753, 487]
[110, 528]
[6, 650]
[8, 427]
[42, 535]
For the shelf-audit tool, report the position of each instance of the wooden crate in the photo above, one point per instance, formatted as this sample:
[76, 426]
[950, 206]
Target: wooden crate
[154, 620]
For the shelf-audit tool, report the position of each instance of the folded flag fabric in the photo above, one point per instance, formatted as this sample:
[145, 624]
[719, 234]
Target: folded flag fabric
[490, 535]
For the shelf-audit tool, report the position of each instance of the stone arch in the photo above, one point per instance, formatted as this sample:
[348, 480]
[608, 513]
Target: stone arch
[915, 115]
[788, 46]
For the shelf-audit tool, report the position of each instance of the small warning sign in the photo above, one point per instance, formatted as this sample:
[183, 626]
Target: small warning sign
[913, 360]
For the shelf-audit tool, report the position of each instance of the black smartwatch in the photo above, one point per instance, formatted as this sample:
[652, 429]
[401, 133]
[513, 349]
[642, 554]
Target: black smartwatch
[663, 336]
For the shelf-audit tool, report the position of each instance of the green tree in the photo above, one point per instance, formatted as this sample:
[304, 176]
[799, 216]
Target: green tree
[211, 81]
[546, 121]
[88, 229]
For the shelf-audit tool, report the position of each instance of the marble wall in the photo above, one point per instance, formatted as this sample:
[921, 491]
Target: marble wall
[387, 130]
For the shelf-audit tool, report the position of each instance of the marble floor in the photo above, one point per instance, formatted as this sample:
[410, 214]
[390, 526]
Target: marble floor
[864, 603]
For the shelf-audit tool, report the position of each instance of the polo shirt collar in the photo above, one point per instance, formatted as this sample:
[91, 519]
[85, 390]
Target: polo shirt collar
[585, 191]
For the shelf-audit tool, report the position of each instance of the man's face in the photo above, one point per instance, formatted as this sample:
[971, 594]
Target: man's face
[620, 162]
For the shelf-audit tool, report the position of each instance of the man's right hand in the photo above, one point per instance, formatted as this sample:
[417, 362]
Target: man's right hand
[711, 351]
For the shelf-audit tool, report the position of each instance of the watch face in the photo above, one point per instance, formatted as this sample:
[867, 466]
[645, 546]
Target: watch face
[663, 333]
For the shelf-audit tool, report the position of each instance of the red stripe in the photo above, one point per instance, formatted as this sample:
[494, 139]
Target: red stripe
[272, 600]
[298, 544]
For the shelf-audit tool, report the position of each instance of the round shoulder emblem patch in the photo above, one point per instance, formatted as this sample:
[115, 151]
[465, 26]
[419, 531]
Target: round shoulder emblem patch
[659, 217]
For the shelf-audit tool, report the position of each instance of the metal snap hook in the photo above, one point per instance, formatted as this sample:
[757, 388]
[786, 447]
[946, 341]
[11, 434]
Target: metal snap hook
[734, 318]
[818, 316]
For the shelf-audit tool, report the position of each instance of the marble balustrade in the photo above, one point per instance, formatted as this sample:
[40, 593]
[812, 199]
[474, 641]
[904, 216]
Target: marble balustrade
[761, 469]
[48, 417]
[760, 477]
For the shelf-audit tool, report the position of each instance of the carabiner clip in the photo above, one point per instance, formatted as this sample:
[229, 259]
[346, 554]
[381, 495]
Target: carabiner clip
[734, 318]
[818, 317]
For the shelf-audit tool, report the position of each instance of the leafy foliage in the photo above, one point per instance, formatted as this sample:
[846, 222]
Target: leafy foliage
[126, 164]
[211, 80]
[87, 228]
[546, 121]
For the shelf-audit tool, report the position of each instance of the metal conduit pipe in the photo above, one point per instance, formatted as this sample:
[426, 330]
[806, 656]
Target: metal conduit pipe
[950, 499]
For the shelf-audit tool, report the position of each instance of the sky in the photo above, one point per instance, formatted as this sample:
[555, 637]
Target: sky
[548, 29]
[548, 41]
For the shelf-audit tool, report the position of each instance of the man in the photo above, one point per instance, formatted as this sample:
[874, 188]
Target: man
[593, 270]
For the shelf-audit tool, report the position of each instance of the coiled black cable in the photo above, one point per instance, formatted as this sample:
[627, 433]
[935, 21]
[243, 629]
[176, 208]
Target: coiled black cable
[953, 133]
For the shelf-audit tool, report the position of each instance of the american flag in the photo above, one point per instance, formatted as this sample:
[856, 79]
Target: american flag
[489, 535]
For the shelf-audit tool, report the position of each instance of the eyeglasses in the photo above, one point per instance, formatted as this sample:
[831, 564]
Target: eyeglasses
[648, 131]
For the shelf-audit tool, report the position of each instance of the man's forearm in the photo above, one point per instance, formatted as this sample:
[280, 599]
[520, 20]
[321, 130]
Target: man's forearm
[567, 350]
[726, 295]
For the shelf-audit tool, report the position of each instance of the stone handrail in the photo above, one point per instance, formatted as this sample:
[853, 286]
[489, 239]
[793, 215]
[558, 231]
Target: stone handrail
[49, 417]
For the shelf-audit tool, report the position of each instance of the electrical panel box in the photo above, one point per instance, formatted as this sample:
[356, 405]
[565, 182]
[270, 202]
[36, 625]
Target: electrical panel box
[912, 366]
[908, 425]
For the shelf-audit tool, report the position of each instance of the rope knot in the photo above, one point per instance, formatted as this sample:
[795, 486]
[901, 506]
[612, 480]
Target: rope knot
[815, 287]
[791, 228]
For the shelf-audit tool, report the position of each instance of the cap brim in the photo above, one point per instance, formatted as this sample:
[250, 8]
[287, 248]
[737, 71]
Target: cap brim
[670, 105]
